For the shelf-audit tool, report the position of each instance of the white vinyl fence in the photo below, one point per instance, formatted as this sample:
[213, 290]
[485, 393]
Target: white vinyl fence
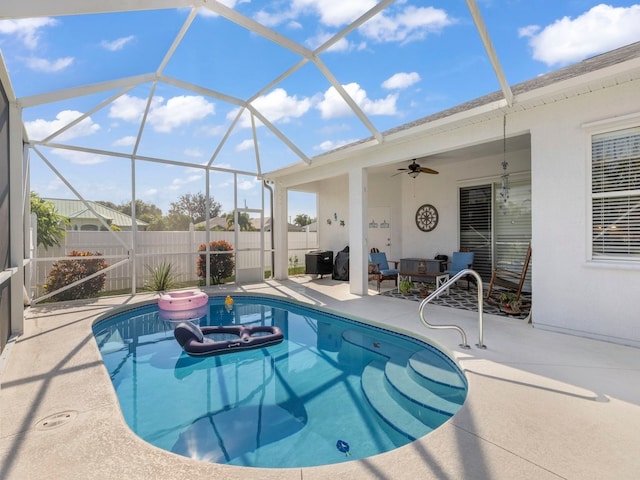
[152, 248]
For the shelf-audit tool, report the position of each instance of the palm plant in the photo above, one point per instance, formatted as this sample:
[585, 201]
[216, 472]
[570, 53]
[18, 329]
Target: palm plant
[162, 278]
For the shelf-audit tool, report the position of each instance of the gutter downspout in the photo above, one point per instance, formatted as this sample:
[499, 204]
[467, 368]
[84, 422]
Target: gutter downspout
[273, 255]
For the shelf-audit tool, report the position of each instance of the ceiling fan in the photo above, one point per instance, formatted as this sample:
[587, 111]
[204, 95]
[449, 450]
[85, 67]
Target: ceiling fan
[414, 170]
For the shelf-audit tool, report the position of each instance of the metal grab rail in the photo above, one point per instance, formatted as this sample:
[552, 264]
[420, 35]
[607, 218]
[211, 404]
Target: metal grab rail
[445, 286]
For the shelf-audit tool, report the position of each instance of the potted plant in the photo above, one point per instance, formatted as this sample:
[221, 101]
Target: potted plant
[405, 286]
[423, 289]
[509, 303]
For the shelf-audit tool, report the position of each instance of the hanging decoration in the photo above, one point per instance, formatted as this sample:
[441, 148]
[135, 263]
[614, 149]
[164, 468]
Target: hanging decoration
[504, 179]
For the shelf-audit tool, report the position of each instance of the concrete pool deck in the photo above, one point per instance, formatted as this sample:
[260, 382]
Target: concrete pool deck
[541, 405]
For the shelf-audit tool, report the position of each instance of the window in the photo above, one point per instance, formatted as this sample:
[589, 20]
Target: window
[475, 226]
[615, 194]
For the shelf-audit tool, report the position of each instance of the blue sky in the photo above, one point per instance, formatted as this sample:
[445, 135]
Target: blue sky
[413, 59]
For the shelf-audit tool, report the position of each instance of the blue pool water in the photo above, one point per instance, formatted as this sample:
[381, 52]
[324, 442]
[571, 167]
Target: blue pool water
[333, 384]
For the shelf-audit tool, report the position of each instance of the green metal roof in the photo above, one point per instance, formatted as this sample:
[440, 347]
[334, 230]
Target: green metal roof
[78, 209]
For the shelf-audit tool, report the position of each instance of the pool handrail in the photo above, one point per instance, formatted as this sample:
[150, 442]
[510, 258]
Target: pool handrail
[445, 286]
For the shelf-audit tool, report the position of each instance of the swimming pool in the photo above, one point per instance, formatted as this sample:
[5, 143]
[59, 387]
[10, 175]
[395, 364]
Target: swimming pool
[334, 390]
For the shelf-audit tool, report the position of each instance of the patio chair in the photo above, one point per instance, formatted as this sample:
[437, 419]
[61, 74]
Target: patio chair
[509, 279]
[460, 261]
[379, 268]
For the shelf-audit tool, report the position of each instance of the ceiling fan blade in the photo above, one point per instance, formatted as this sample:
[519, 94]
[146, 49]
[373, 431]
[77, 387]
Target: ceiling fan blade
[428, 170]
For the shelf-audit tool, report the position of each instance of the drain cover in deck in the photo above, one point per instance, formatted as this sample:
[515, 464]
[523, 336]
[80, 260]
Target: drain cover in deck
[56, 420]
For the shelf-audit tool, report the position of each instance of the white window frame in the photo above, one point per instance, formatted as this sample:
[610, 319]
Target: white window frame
[603, 127]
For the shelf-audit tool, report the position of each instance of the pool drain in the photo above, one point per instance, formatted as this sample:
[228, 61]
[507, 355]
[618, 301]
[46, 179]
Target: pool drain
[56, 420]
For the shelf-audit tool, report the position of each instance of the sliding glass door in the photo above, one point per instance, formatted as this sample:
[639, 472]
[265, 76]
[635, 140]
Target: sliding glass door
[498, 231]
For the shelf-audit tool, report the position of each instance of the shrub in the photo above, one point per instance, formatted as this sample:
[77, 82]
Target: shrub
[221, 266]
[65, 272]
[162, 278]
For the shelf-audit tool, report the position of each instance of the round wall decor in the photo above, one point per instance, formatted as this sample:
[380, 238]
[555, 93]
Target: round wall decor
[427, 217]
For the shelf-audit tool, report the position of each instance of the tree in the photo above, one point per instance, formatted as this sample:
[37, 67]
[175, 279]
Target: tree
[303, 219]
[220, 265]
[243, 220]
[51, 226]
[178, 222]
[194, 206]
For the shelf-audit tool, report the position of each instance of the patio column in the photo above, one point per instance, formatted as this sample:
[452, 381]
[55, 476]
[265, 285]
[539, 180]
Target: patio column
[17, 217]
[280, 232]
[358, 281]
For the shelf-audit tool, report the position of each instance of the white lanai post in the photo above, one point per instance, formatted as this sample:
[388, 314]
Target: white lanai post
[358, 281]
[280, 232]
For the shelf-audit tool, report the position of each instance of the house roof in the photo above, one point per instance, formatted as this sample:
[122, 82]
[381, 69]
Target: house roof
[216, 222]
[79, 210]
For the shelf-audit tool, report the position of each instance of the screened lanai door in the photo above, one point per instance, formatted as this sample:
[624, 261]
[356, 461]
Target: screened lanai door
[498, 231]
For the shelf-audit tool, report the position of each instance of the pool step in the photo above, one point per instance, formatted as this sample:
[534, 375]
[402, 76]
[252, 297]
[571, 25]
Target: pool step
[408, 387]
[435, 370]
[420, 401]
[374, 386]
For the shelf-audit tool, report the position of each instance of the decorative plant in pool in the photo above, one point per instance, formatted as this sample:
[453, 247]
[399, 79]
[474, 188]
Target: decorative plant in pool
[220, 265]
[65, 272]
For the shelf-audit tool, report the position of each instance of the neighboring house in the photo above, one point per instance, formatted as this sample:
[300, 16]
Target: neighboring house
[267, 225]
[216, 223]
[572, 142]
[87, 216]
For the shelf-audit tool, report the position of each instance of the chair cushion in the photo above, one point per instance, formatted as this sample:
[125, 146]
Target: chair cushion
[389, 271]
[379, 258]
[460, 261]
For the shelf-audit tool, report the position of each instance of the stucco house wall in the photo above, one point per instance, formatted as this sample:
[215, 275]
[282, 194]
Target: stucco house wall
[573, 293]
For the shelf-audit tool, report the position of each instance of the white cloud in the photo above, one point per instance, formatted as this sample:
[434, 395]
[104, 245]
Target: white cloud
[193, 153]
[405, 24]
[128, 108]
[332, 105]
[48, 66]
[247, 184]
[205, 12]
[127, 141]
[211, 130]
[182, 181]
[276, 106]
[332, 13]
[244, 145]
[27, 30]
[342, 45]
[408, 25]
[163, 117]
[179, 111]
[117, 44]
[331, 145]
[39, 129]
[569, 40]
[401, 80]
[80, 158]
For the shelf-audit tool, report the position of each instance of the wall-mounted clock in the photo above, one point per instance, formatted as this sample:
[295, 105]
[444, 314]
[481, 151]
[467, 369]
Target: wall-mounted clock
[427, 217]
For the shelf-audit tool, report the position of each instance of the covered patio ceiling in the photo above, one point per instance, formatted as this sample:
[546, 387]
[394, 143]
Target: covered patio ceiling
[303, 92]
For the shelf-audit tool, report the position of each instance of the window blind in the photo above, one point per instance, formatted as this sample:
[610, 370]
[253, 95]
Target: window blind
[615, 190]
[475, 226]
